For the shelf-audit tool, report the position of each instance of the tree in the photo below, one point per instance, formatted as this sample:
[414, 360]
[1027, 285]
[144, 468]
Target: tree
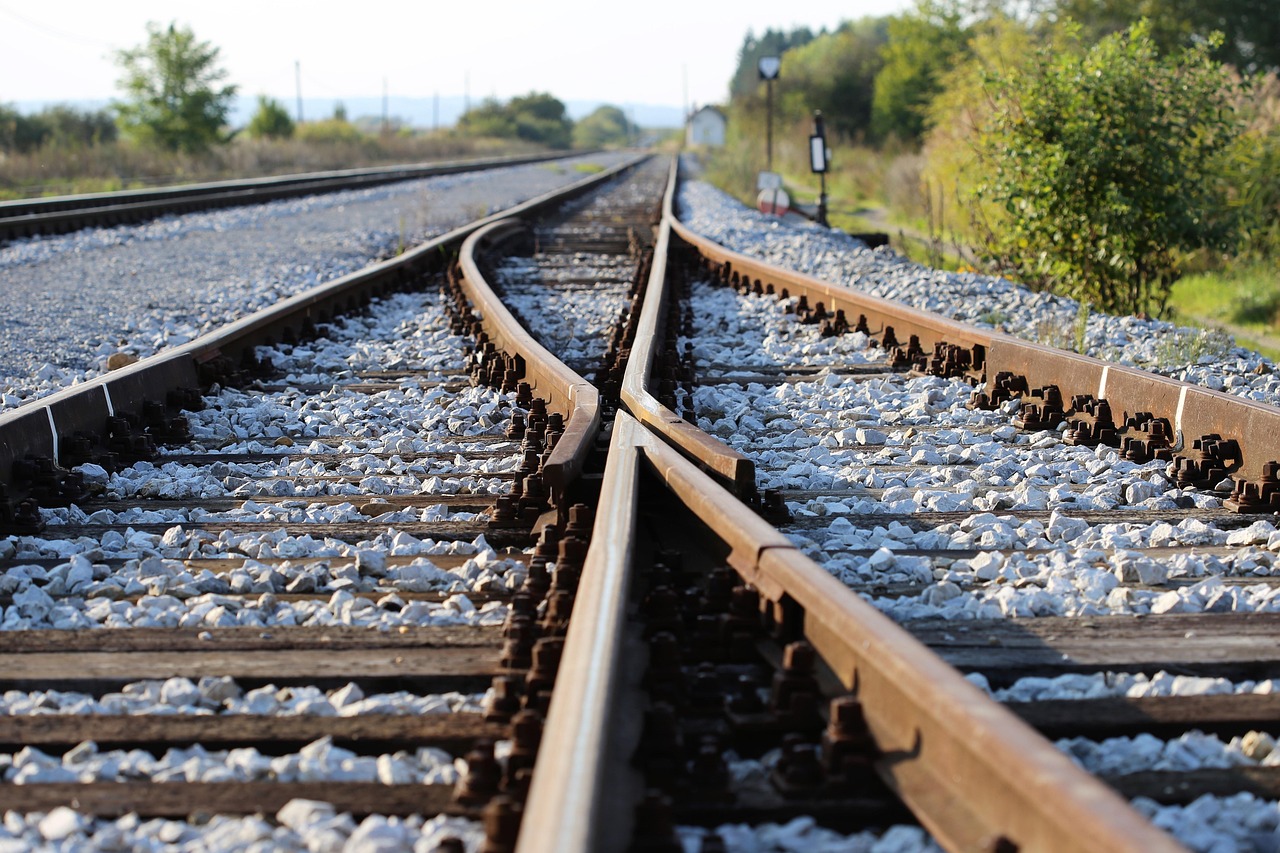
[922, 45]
[271, 121]
[1108, 165]
[171, 86]
[607, 125]
[58, 125]
[535, 117]
[835, 73]
[1251, 28]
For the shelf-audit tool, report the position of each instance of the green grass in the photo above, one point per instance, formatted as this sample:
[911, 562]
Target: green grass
[588, 168]
[1243, 299]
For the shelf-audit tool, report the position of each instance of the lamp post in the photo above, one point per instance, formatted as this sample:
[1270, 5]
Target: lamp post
[769, 67]
[819, 155]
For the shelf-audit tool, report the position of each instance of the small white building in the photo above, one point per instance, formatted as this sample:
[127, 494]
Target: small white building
[706, 127]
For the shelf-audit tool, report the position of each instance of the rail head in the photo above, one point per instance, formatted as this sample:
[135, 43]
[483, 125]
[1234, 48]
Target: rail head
[563, 389]
[578, 799]
[723, 462]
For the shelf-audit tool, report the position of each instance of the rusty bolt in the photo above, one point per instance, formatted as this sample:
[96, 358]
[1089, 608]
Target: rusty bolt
[504, 700]
[501, 825]
[483, 775]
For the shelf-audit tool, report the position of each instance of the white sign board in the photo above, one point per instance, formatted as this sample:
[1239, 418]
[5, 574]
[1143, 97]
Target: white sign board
[768, 181]
[817, 154]
[769, 67]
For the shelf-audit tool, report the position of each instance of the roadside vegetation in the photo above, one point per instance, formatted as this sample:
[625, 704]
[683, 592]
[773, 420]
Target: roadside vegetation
[170, 126]
[1073, 145]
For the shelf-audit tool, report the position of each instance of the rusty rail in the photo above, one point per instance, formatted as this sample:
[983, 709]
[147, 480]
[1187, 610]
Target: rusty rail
[40, 427]
[564, 390]
[975, 775]
[727, 465]
[1207, 434]
[59, 214]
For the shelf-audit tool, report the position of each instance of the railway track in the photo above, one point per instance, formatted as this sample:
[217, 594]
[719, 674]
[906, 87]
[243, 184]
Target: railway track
[61, 214]
[831, 591]
[317, 597]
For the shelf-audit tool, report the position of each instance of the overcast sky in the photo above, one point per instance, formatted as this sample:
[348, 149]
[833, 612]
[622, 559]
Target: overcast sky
[59, 50]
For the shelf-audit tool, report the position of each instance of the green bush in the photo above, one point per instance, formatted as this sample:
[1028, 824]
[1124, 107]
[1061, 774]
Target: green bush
[1108, 165]
[271, 121]
[330, 131]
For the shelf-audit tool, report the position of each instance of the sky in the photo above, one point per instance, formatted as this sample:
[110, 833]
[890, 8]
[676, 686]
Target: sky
[680, 52]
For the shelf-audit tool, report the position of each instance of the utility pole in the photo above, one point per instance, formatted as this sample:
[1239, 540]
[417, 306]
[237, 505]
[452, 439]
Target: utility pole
[435, 111]
[386, 125]
[466, 92]
[297, 76]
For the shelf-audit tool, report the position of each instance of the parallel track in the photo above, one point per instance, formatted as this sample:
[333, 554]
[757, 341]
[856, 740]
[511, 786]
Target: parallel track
[60, 214]
[708, 628]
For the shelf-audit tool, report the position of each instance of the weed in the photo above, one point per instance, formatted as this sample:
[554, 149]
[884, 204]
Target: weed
[1185, 347]
[588, 168]
[1051, 333]
[995, 317]
[1082, 326]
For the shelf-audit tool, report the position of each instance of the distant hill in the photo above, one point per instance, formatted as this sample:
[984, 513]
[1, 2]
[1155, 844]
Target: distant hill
[418, 112]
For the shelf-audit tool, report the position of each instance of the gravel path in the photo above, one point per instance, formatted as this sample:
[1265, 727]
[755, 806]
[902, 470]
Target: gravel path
[68, 302]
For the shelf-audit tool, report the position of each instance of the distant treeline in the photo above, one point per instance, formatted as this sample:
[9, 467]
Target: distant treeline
[57, 125]
[874, 79]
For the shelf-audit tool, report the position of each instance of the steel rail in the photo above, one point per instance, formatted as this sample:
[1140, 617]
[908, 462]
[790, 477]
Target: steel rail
[59, 214]
[975, 775]
[1192, 410]
[39, 427]
[582, 794]
[563, 389]
[727, 465]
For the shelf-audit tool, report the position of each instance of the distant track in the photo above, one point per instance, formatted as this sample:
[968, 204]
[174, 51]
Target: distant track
[60, 214]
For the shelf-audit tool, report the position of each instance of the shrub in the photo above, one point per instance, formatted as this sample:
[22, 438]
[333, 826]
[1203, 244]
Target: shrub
[1108, 165]
[271, 121]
